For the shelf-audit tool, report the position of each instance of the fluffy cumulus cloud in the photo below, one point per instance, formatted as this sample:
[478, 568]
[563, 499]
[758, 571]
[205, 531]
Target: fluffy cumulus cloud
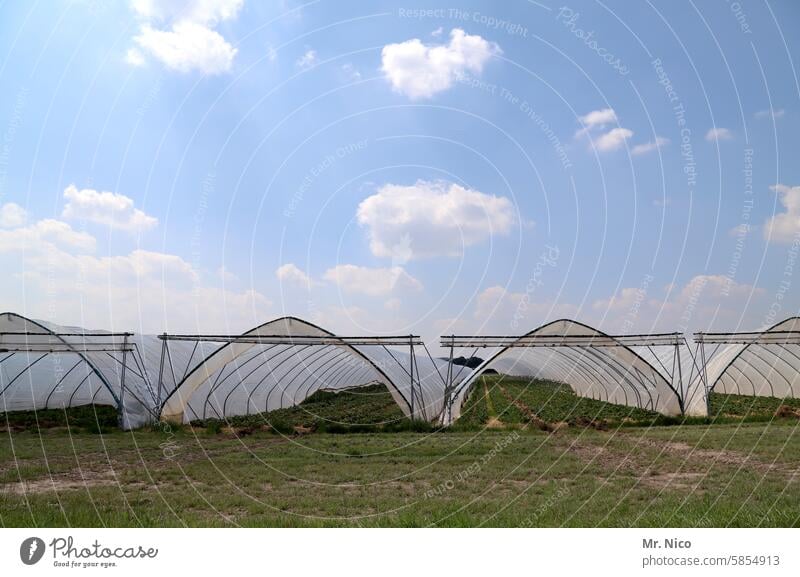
[597, 119]
[613, 139]
[187, 46]
[181, 34]
[58, 276]
[372, 281]
[106, 208]
[785, 227]
[640, 149]
[499, 309]
[46, 232]
[595, 126]
[431, 219]
[12, 215]
[291, 274]
[717, 134]
[703, 302]
[422, 70]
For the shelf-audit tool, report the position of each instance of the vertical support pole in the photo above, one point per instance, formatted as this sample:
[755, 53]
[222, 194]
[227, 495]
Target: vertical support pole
[411, 373]
[122, 381]
[161, 371]
[706, 388]
[449, 386]
[682, 389]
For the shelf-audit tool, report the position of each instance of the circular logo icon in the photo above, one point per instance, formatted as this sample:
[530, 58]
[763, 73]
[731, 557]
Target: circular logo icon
[31, 550]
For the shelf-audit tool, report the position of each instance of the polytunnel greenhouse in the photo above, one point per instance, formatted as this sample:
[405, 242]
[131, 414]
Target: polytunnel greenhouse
[763, 363]
[648, 373]
[46, 366]
[279, 364]
[181, 378]
[282, 362]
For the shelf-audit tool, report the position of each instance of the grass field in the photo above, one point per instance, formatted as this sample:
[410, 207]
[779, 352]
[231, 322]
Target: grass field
[607, 466]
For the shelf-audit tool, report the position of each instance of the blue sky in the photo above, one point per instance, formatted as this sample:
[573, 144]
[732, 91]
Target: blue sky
[383, 167]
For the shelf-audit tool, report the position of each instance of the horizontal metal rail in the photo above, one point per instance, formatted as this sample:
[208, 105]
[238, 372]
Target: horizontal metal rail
[31, 334]
[26, 342]
[56, 348]
[661, 339]
[298, 339]
[749, 338]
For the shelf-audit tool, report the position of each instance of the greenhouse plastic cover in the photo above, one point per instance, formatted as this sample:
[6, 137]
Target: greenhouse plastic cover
[215, 381]
[246, 378]
[207, 380]
[768, 370]
[633, 376]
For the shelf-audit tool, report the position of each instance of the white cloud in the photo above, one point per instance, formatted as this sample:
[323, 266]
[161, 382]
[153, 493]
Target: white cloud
[202, 11]
[771, 113]
[626, 299]
[717, 134]
[438, 32]
[181, 34]
[431, 219]
[45, 233]
[371, 281]
[499, 309]
[134, 57]
[308, 59]
[107, 208]
[226, 276]
[143, 290]
[649, 146]
[597, 119]
[705, 301]
[187, 46]
[421, 70]
[613, 139]
[785, 227]
[12, 215]
[291, 274]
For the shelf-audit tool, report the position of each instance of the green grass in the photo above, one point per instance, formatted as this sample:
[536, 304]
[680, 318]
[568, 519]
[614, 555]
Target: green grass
[721, 405]
[497, 399]
[359, 410]
[557, 403]
[721, 475]
[612, 466]
[91, 418]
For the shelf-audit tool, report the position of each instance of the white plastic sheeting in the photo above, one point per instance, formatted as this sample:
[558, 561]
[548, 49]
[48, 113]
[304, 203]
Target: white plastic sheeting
[215, 381]
[241, 378]
[42, 380]
[765, 370]
[203, 379]
[615, 374]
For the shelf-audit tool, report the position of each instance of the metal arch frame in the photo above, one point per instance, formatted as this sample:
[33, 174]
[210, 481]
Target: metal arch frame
[251, 392]
[221, 377]
[505, 343]
[348, 343]
[746, 338]
[327, 355]
[71, 350]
